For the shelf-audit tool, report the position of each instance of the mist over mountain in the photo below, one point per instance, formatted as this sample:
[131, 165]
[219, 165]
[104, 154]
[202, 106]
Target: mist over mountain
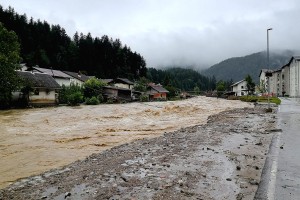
[238, 67]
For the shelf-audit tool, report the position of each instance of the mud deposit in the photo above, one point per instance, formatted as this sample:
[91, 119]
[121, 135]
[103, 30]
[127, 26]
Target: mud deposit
[36, 140]
[222, 159]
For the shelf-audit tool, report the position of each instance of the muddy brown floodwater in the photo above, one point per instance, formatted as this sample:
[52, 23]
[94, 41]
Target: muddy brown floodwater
[36, 140]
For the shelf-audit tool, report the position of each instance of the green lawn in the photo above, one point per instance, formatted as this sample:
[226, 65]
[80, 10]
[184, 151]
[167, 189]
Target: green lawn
[275, 100]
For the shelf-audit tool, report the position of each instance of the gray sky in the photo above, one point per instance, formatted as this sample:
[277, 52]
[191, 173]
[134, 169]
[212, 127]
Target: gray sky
[176, 32]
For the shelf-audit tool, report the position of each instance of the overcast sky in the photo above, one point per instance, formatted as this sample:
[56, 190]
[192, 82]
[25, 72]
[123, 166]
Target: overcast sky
[176, 32]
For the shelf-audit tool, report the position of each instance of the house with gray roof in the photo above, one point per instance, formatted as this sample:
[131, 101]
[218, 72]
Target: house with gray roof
[60, 77]
[156, 92]
[44, 89]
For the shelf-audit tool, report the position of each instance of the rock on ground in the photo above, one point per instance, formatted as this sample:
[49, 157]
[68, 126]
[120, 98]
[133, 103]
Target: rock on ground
[222, 159]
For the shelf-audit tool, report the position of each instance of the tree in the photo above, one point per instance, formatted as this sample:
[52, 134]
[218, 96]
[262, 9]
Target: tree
[9, 62]
[196, 90]
[250, 84]
[141, 85]
[93, 88]
[262, 86]
[220, 87]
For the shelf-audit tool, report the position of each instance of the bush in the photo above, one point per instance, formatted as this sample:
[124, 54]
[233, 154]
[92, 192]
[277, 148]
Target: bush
[75, 99]
[93, 87]
[144, 98]
[100, 98]
[66, 91]
[92, 101]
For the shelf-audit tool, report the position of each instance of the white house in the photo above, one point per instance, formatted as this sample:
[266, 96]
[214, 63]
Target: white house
[240, 88]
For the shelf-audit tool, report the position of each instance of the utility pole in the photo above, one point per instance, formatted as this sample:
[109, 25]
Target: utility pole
[269, 74]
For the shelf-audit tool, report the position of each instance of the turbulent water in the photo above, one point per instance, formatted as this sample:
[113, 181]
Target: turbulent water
[36, 140]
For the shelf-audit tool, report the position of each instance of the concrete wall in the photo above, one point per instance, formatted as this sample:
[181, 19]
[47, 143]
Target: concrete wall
[285, 78]
[295, 78]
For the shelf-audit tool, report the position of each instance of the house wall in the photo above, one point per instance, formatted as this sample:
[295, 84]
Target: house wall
[273, 84]
[43, 97]
[76, 82]
[62, 81]
[285, 78]
[122, 85]
[295, 78]
[239, 89]
[278, 83]
[110, 93]
[160, 96]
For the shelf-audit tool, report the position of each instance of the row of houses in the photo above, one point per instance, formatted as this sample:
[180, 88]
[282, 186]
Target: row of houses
[46, 84]
[284, 81]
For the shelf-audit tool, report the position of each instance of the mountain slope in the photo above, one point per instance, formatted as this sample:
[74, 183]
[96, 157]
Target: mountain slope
[237, 68]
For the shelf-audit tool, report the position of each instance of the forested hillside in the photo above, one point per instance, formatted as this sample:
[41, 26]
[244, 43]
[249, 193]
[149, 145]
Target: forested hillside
[237, 68]
[184, 79]
[49, 46]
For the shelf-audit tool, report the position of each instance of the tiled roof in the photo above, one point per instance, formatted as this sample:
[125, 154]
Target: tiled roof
[52, 72]
[238, 82]
[124, 80]
[80, 77]
[39, 80]
[158, 88]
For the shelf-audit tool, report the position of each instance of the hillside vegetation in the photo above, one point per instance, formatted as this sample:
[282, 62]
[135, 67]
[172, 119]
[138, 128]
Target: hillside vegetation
[237, 68]
[50, 47]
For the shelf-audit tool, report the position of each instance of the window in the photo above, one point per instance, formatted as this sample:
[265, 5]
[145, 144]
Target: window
[242, 87]
[36, 92]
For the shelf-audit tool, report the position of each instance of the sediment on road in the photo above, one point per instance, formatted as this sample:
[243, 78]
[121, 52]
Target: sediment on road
[222, 159]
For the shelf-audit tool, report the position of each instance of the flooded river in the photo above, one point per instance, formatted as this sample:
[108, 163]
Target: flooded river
[36, 140]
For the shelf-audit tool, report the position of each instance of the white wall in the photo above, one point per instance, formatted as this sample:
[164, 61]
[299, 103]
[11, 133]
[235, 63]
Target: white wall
[285, 77]
[43, 97]
[239, 88]
[76, 82]
[295, 78]
[62, 81]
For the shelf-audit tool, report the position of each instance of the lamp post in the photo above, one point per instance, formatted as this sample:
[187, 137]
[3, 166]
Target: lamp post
[268, 63]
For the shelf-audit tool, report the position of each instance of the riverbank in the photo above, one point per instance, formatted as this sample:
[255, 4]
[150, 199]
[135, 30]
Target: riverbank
[222, 159]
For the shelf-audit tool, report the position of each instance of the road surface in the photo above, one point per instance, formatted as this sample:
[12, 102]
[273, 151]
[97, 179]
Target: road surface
[281, 176]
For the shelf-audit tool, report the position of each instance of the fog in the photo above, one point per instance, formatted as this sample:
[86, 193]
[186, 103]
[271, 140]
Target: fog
[196, 33]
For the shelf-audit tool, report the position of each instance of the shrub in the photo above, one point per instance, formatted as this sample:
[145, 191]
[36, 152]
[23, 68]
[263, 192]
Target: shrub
[144, 98]
[75, 99]
[66, 91]
[93, 87]
[100, 98]
[92, 101]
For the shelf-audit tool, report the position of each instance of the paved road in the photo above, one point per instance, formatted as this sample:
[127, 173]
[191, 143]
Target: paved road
[281, 174]
[288, 169]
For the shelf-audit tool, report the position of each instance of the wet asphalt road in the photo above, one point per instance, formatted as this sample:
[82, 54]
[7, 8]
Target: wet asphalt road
[287, 183]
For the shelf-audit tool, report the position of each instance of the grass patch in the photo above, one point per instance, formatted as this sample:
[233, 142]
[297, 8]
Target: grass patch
[275, 100]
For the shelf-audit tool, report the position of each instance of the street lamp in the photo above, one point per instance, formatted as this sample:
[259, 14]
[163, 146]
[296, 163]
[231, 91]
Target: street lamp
[268, 63]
